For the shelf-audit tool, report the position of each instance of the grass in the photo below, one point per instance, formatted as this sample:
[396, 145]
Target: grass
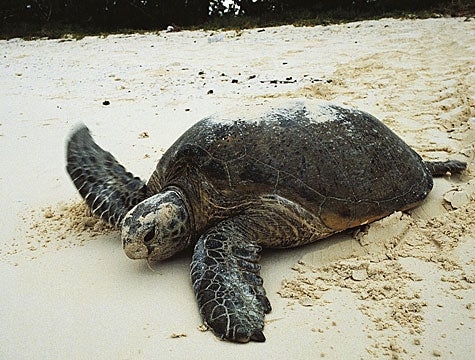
[300, 18]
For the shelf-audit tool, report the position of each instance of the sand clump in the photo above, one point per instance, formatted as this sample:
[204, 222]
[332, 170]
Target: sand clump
[388, 293]
[68, 217]
[57, 226]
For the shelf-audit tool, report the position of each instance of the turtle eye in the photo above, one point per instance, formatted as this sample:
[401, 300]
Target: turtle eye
[149, 237]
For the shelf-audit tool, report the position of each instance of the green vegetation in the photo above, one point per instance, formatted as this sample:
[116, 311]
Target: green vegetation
[31, 19]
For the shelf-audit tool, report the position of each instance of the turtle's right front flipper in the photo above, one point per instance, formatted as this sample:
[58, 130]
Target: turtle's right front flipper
[108, 189]
[227, 285]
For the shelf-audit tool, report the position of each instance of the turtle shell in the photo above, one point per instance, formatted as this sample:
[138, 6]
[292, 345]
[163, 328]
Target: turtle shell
[343, 165]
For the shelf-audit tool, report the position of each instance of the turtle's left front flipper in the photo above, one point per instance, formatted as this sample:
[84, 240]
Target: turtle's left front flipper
[227, 285]
[109, 190]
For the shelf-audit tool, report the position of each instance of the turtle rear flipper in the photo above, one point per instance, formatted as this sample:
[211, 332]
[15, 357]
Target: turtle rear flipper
[226, 281]
[108, 189]
[441, 168]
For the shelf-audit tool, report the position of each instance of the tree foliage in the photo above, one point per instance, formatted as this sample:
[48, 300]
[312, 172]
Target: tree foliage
[113, 13]
[148, 14]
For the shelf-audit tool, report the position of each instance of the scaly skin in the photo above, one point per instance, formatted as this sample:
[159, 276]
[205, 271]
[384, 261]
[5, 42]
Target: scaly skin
[108, 189]
[227, 285]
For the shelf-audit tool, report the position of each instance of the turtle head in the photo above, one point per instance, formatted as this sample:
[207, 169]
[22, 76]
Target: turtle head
[156, 228]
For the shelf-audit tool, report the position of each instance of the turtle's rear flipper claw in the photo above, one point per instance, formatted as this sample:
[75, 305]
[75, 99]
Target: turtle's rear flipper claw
[108, 189]
[258, 336]
[226, 280]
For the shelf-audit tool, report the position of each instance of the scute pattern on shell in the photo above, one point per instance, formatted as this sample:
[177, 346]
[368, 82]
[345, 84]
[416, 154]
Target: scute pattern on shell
[347, 169]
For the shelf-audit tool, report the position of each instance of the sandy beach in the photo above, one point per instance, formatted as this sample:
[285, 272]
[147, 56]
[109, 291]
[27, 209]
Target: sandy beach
[400, 288]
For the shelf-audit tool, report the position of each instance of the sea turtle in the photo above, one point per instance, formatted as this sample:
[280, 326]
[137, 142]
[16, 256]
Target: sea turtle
[273, 176]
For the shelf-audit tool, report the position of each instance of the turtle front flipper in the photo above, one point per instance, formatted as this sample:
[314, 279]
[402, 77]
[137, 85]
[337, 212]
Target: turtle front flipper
[227, 285]
[108, 189]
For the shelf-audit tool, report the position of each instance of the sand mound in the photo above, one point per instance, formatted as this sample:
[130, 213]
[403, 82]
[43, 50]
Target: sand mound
[368, 264]
[59, 226]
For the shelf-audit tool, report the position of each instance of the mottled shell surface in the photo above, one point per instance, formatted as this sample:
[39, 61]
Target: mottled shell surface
[343, 165]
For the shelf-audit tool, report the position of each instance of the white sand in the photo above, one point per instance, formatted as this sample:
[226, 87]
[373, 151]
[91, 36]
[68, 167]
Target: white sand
[403, 288]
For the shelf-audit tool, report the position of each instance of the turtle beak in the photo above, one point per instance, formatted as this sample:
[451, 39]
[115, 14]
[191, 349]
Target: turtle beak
[136, 251]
